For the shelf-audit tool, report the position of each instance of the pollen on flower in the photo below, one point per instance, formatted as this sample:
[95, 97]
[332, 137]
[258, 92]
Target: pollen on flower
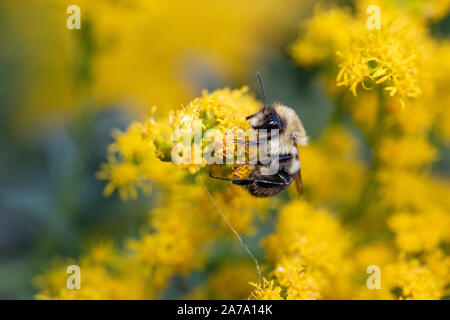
[242, 171]
[221, 112]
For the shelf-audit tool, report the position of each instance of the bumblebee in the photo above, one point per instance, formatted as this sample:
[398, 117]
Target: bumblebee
[290, 134]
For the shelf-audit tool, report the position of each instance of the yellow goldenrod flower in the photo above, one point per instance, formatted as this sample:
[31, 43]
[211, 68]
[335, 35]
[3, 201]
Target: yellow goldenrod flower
[415, 281]
[421, 231]
[299, 284]
[266, 291]
[132, 160]
[309, 248]
[221, 112]
[131, 144]
[317, 45]
[391, 57]
[397, 152]
[123, 176]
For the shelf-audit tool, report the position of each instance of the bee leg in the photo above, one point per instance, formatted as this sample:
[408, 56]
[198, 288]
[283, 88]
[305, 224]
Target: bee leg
[258, 182]
[282, 157]
[249, 162]
[269, 184]
[287, 179]
[282, 177]
[247, 181]
[219, 178]
[261, 140]
[248, 143]
[238, 181]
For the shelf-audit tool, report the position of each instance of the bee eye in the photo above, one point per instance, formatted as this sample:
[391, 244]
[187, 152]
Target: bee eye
[274, 122]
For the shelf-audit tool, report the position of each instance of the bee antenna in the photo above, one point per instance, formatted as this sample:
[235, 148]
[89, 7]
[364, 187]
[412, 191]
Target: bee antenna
[266, 101]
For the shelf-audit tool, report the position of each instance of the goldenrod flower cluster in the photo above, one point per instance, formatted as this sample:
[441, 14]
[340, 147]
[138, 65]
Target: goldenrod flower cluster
[308, 249]
[203, 126]
[184, 224]
[372, 195]
[134, 158]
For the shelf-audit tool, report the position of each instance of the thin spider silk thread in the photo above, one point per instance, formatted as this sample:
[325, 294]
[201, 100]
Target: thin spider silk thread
[232, 229]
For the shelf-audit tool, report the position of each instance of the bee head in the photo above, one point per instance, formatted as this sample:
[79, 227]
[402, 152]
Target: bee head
[267, 117]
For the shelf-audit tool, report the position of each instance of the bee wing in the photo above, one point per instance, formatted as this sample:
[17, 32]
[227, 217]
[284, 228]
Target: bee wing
[298, 180]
